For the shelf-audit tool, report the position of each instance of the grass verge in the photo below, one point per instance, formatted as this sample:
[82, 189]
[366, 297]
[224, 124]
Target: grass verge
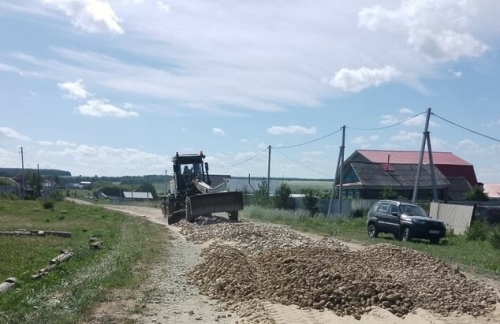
[477, 256]
[65, 295]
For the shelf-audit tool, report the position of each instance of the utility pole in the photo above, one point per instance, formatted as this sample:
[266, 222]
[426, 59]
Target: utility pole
[338, 173]
[269, 173]
[22, 174]
[425, 139]
[341, 169]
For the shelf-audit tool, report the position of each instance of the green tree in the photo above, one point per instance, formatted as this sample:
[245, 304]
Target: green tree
[282, 196]
[310, 201]
[476, 194]
[388, 193]
[260, 196]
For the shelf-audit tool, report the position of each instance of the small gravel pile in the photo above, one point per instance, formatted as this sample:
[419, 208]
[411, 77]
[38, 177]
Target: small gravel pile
[274, 264]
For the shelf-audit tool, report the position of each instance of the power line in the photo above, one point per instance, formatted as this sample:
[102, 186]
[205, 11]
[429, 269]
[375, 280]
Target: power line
[241, 162]
[305, 166]
[389, 126]
[308, 142]
[467, 129]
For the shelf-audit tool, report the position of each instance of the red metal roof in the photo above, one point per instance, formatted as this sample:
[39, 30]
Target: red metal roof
[448, 163]
[408, 157]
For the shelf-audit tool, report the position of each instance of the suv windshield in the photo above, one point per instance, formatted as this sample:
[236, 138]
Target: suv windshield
[412, 210]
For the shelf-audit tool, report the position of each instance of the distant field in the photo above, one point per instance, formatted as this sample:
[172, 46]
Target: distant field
[297, 185]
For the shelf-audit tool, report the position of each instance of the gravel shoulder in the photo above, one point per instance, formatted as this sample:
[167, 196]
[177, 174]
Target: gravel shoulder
[171, 295]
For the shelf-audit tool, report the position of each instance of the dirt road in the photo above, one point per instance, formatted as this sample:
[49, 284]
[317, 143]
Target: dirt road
[167, 297]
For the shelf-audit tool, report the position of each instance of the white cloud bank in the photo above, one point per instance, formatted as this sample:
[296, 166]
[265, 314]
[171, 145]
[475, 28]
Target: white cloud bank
[294, 129]
[102, 108]
[357, 80]
[90, 15]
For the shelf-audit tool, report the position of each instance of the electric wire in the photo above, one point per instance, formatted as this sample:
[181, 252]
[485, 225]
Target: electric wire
[241, 162]
[388, 126]
[465, 128]
[308, 142]
[305, 166]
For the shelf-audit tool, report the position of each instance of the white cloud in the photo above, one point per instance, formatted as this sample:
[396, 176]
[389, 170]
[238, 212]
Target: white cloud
[243, 140]
[468, 144]
[492, 123]
[7, 132]
[293, 129]
[406, 111]
[434, 28]
[8, 68]
[102, 108]
[56, 143]
[76, 90]
[357, 80]
[262, 146]
[218, 131]
[446, 45]
[365, 139]
[313, 153]
[163, 6]
[418, 120]
[406, 137]
[456, 74]
[388, 120]
[90, 15]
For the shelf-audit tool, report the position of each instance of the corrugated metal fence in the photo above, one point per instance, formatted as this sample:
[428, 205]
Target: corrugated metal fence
[455, 216]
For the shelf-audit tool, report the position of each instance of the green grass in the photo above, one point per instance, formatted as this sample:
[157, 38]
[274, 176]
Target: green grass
[476, 256]
[129, 243]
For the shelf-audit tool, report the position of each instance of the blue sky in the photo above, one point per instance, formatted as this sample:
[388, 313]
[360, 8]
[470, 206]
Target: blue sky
[116, 87]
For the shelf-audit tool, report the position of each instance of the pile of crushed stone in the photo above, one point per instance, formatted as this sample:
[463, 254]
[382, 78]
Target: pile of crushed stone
[248, 262]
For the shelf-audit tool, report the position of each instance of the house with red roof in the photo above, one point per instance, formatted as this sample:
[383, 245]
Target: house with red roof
[367, 172]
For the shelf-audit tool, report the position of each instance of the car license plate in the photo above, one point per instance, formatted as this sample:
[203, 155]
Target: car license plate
[434, 232]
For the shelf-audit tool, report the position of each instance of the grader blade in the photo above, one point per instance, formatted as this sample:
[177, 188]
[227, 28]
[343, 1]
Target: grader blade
[215, 203]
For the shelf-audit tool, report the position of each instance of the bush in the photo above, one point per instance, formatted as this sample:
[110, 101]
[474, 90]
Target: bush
[450, 232]
[357, 213]
[495, 237]
[48, 204]
[477, 231]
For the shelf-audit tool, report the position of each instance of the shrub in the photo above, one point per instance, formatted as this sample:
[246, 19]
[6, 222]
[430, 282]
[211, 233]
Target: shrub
[356, 213]
[477, 231]
[450, 232]
[48, 204]
[495, 237]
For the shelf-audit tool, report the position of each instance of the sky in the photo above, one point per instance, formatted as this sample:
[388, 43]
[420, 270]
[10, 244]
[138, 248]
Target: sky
[116, 87]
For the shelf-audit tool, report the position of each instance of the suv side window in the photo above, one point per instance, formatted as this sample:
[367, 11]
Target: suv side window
[383, 208]
[375, 207]
[394, 209]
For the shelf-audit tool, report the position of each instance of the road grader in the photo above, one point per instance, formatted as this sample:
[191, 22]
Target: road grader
[191, 194]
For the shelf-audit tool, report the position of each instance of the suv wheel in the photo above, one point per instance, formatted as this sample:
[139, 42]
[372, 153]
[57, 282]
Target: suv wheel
[372, 230]
[406, 235]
